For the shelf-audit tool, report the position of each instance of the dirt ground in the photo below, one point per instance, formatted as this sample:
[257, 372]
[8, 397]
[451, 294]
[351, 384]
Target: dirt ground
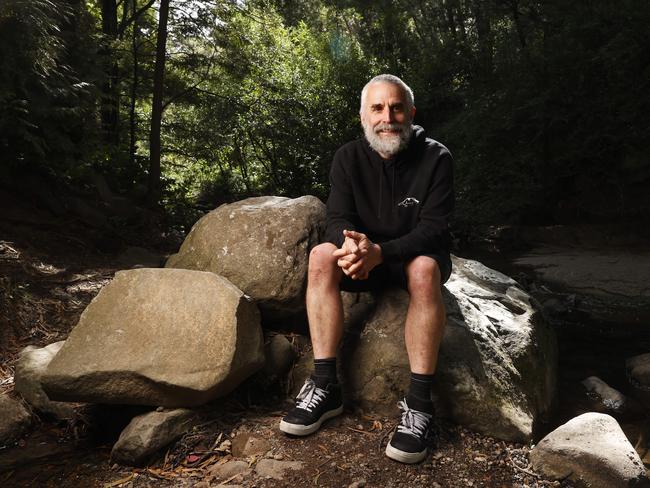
[50, 270]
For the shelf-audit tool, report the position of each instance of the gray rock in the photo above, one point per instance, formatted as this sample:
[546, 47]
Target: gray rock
[638, 370]
[246, 444]
[31, 365]
[146, 434]
[591, 448]
[262, 245]
[270, 468]
[498, 360]
[638, 374]
[279, 356]
[14, 419]
[610, 398]
[229, 469]
[167, 337]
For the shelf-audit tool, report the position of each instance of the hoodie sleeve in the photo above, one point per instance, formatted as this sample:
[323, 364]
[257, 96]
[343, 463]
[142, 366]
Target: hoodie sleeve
[341, 209]
[431, 234]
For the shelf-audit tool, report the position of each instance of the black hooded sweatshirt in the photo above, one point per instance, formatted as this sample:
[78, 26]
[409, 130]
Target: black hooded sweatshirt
[403, 203]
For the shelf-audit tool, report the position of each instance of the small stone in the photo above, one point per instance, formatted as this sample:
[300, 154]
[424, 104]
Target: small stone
[14, 419]
[279, 356]
[231, 468]
[246, 445]
[225, 446]
[360, 483]
[278, 457]
[150, 432]
[275, 469]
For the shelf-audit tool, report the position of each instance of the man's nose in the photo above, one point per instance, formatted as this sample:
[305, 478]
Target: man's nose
[388, 116]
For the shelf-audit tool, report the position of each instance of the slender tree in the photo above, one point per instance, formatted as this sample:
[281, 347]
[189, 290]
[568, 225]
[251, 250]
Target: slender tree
[110, 89]
[155, 189]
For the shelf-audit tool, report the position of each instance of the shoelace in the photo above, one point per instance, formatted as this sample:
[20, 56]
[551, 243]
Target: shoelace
[310, 396]
[413, 422]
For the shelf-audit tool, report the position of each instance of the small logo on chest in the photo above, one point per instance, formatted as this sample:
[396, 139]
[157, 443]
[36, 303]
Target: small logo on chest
[409, 202]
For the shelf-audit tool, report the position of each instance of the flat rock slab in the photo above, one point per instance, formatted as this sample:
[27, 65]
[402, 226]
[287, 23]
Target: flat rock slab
[271, 468]
[146, 434]
[167, 337]
[32, 363]
[610, 283]
[14, 419]
[591, 448]
[261, 245]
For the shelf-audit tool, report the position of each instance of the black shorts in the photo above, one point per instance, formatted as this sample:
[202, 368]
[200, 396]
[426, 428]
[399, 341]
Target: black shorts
[393, 274]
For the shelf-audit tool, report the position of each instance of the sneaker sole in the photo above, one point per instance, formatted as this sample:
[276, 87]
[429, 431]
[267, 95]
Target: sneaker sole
[297, 429]
[403, 456]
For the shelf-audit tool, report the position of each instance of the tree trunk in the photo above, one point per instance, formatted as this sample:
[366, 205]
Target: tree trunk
[110, 99]
[155, 189]
[134, 89]
[484, 39]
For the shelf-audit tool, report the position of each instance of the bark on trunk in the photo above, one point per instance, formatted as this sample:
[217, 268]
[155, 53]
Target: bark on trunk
[155, 189]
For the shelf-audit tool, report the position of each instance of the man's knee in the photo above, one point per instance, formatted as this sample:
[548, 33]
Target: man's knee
[321, 260]
[423, 274]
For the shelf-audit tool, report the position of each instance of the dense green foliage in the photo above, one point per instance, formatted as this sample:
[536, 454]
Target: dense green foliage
[544, 104]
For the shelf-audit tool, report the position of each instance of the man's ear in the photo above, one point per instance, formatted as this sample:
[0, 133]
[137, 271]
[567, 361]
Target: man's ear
[412, 112]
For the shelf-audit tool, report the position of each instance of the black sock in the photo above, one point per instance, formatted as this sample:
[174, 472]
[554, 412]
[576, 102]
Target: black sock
[324, 372]
[419, 395]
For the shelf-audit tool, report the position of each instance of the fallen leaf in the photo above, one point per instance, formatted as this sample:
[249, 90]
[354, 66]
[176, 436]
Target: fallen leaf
[120, 481]
[192, 458]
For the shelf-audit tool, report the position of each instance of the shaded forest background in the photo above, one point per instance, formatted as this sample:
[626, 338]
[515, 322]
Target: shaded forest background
[119, 110]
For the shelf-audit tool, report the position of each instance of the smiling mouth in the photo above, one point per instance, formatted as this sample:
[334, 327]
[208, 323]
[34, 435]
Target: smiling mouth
[391, 132]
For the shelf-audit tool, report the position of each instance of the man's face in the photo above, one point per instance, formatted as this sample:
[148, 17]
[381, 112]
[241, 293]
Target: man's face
[386, 118]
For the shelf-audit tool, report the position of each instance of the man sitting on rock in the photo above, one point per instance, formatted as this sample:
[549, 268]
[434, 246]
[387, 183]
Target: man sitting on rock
[387, 225]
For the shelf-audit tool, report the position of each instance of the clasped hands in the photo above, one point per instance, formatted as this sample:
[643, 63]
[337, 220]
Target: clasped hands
[358, 255]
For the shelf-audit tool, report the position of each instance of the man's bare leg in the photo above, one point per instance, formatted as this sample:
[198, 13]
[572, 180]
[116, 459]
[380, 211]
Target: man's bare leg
[324, 305]
[425, 319]
[320, 397]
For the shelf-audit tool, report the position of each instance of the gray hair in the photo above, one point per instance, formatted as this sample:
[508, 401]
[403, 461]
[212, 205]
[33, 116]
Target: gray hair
[386, 78]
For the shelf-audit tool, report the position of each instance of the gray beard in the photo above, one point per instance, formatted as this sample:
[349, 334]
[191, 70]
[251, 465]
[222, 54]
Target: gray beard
[391, 145]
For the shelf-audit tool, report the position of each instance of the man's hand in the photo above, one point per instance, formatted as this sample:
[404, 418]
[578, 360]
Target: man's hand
[358, 255]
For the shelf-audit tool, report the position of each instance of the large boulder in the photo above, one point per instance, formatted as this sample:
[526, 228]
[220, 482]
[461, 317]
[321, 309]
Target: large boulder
[592, 449]
[166, 337]
[498, 360]
[32, 363]
[261, 245]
